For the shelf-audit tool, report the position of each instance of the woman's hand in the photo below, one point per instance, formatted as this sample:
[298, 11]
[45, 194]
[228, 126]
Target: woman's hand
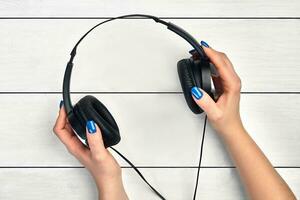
[97, 159]
[224, 114]
[258, 175]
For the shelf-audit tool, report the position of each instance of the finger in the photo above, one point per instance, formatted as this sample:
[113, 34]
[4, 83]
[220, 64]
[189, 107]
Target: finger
[61, 119]
[64, 132]
[230, 80]
[60, 129]
[218, 59]
[94, 137]
[72, 143]
[68, 127]
[217, 85]
[205, 102]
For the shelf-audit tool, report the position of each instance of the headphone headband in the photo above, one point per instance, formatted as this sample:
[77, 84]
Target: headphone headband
[174, 28]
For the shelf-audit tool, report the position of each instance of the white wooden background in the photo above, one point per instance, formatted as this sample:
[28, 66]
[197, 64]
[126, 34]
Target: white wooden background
[130, 65]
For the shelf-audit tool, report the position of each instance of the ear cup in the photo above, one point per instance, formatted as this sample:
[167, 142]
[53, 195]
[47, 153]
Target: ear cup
[90, 108]
[187, 72]
[196, 72]
[206, 77]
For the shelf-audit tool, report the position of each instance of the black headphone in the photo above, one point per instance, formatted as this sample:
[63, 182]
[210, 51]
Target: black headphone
[194, 71]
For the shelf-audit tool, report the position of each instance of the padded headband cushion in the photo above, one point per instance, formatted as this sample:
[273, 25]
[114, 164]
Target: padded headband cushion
[90, 108]
[187, 70]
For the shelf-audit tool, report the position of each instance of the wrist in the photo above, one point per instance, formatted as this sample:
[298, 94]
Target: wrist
[230, 127]
[112, 188]
[232, 130]
[106, 183]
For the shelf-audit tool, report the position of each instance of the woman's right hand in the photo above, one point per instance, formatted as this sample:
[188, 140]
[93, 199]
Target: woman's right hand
[223, 114]
[261, 181]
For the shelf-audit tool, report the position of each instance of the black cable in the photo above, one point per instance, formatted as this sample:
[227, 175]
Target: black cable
[200, 157]
[144, 179]
[139, 173]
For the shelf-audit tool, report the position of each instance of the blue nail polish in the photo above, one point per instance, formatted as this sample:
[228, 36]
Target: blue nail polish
[204, 44]
[61, 103]
[196, 93]
[91, 127]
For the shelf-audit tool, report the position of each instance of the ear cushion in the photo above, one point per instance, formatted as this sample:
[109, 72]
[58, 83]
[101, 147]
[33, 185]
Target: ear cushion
[90, 108]
[189, 76]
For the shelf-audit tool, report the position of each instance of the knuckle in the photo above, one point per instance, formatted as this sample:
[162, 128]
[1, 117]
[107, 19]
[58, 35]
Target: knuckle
[223, 55]
[55, 130]
[99, 157]
[218, 116]
[204, 106]
[237, 85]
[72, 150]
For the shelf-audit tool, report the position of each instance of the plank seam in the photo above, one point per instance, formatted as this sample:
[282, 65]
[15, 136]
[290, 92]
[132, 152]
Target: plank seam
[141, 92]
[192, 18]
[141, 167]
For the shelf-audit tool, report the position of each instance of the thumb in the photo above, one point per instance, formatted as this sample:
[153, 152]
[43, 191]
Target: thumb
[94, 138]
[205, 102]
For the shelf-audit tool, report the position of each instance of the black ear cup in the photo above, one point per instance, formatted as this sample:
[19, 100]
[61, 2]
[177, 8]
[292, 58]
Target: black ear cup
[90, 108]
[188, 81]
[194, 73]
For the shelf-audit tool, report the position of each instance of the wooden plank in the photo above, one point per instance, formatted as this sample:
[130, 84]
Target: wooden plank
[133, 55]
[150, 125]
[272, 121]
[77, 184]
[179, 8]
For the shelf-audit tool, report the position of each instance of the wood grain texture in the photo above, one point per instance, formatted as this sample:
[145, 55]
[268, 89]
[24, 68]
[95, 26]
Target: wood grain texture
[67, 184]
[178, 8]
[151, 125]
[34, 53]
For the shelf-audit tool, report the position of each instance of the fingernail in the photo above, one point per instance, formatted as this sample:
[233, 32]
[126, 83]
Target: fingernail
[196, 93]
[61, 103]
[204, 44]
[91, 127]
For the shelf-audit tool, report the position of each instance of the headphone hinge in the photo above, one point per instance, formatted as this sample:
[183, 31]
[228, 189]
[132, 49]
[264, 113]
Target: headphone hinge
[73, 52]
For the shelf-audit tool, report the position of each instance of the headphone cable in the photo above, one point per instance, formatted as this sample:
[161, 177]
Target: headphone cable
[139, 173]
[144, 179]
[200, 157]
